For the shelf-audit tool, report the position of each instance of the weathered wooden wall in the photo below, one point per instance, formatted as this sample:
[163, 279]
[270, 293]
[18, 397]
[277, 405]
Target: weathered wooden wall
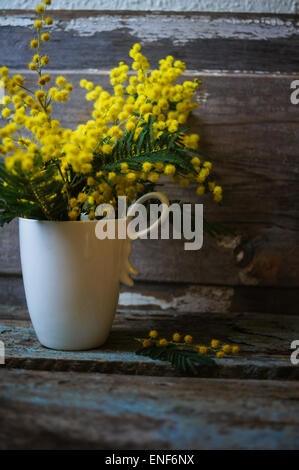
[247, 124]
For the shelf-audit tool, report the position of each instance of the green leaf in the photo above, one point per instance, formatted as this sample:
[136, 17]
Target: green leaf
[36, 196]
[187, 361]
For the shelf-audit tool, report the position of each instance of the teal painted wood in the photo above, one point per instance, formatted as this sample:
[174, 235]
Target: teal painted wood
[264, 339]
[89, 399]
[54, 410]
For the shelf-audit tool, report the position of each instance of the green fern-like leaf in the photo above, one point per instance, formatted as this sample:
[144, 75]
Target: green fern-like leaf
[186, 361]
[36, 196]
[167, 148]
[164, 156]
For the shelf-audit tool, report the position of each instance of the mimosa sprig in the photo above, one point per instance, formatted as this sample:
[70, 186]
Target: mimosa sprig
[182, 353]
[136, 138]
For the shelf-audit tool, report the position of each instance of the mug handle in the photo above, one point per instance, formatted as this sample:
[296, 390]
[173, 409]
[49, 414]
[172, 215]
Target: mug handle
[128, 268]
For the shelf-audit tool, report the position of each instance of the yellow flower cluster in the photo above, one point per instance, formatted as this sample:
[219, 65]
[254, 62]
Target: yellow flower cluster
[32, 110]
[216, 348]
[139, 96]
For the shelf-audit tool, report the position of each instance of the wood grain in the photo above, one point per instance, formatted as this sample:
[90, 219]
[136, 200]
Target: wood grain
[247, 125]
[264, 340]
[42, 410]
[207, 41]
[180, 297]
[250, 129]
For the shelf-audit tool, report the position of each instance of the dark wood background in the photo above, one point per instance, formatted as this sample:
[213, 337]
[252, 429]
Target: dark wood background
[247, 124]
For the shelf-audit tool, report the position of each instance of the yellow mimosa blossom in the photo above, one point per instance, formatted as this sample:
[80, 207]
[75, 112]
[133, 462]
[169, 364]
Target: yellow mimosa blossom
[169, 170]
[45, 37]
[188, 339]
[34, 43]
[226, 348]
[176, 337]
[215, 343]
[40, 8]
[38, 24]
[202, 349]
[153, 334]
[6, 112]
[200, 190]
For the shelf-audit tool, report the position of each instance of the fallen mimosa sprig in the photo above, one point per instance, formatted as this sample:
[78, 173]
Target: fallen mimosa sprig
[183, 355]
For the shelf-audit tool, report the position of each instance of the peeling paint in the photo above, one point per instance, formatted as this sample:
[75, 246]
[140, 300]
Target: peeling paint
[128, 299]
[182, 29]
[205, 299]
[16, 21]
[203, 96]
[240, 256]
[229, 242]
[179, 29]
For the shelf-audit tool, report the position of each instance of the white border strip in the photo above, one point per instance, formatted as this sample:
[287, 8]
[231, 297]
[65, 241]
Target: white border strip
[234, 6]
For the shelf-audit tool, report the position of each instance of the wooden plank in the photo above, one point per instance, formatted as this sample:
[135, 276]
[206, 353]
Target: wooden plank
[178, 297]
[264, 339]
[223, 41]
[12, 290]
[209, 298]
[42, 410]
[250, 129]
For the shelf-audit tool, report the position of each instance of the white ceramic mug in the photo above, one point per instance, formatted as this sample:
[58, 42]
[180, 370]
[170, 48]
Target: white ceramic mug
[72, 279]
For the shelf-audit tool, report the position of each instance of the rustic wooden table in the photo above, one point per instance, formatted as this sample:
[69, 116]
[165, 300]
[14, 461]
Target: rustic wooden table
[112, 399]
